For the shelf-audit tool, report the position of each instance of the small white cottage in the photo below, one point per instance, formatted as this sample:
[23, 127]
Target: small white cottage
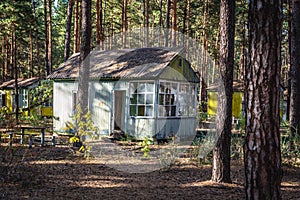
[142, 92]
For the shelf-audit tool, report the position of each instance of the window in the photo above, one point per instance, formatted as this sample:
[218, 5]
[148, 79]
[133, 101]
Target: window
[176, 99]
[186, 100]
[167, 98]
[23, 98]
[141, 98]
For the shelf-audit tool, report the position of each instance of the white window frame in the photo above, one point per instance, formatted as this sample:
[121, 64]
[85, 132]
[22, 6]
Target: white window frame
[23, 98]
[189, 105]
[136, 105]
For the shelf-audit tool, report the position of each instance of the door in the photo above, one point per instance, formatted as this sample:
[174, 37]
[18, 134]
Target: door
[119, 109]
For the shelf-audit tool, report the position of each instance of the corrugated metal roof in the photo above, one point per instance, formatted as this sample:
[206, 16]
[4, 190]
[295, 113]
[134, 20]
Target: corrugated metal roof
[125, 63]
[22, 83]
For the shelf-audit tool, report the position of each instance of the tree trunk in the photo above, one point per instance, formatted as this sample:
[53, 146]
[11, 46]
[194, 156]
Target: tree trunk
[168, 7]
[124, 23]
[50, 37]
[68, 30]
[221, 152]
[160, 23]
[146, 23]
[76, 27]
[36, 41]
[174, 23]
[15, 67]
[46, 39]
[30, 56]
[99, 24]
[4, 58]
[83, 84]
[288, 98]
[262, 156]
[188, 27]
[295, 69]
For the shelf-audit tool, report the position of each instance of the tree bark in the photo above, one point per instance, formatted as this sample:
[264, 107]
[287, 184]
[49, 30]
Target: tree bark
[50, 37]
[262, 156]
[76, 27]
[295, 69]
[174, 23]
[124, 23]
[221, 152]
[85, 47]
[68, 30]
[99, 24]
[36, 41]
[46, 39]
[168, 7]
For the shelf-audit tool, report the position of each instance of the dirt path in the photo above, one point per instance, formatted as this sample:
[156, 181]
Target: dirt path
[58, 173]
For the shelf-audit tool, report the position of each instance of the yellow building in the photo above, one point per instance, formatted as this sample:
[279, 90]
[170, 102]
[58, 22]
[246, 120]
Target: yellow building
[237, 99]
[7, 91]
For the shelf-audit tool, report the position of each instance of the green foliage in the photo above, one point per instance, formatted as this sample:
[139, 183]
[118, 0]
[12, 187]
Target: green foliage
[145, 144]
[290, 145]
[84, 129]
[43, 94]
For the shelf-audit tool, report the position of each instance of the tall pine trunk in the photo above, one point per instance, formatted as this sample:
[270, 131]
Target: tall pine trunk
[68, 30]
[85, 47]
[221, 152]
[50, 37]
[124, 23]
[99, 24]
[295, 69]
[46, 38]
[76, 27]
[174, 23]
[262, 156]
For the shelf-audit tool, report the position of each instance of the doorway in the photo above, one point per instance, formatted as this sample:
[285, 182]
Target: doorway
[119, 109]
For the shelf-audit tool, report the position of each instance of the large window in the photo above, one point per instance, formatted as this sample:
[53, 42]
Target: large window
[142, 98]
[176, 99]
[167, 98]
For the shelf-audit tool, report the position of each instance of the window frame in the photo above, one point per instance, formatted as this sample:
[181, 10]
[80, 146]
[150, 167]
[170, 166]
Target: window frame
[136, 102]
[191, 113]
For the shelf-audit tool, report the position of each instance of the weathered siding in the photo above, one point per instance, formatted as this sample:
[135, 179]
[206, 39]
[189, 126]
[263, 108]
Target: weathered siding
[100, 102]
[141, 127]
[62, 103]
[184, 128]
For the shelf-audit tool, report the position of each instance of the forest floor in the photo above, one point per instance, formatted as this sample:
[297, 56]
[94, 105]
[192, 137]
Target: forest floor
[60, 173]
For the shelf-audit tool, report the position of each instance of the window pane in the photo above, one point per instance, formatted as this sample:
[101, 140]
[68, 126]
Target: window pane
[174, 87]
[173, 110]
[133, 110]
[149, 111]
[150, 87]
[141, 111]
[161, 87]
[141, 87]
[149, 99]
[191, 111]
[141, 99]
[167, 110]
[170, 99]
[168, 87]
[161, 99]
[162, 111]
[133, 99]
